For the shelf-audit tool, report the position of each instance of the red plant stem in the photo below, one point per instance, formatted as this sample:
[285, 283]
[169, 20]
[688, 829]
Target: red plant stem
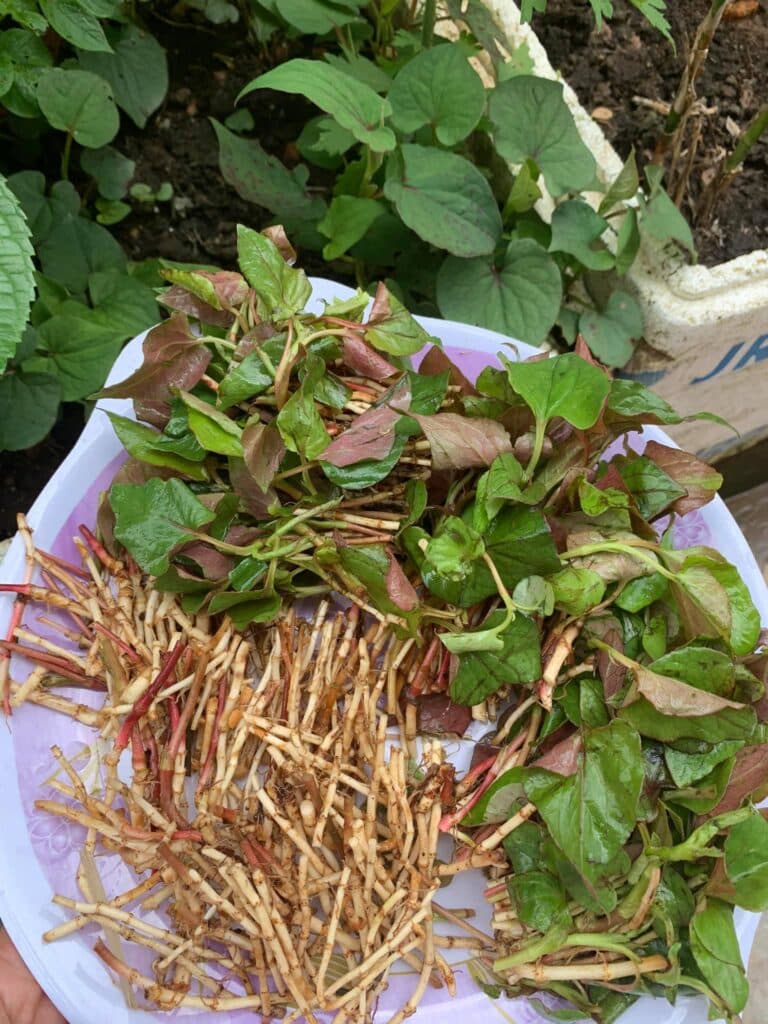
[477, 771]
[16, 615]
[441, 679]
[167, 803]
[353, 326]
[191, 834]
[205, 773]
[449, 821]
[179, 733]
[115, 639]
[257, 856]
[54, 586]
[416, 686]
[138, 758]
[97, 548]
[494, 890]
[143, 703]
[58, 665]
[62, 563]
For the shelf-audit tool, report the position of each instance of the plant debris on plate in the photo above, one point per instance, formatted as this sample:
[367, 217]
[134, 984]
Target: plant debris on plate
[314, 547]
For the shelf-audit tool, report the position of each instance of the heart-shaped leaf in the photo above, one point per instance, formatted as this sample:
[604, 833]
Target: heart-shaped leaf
[79, 103]
[137, 70]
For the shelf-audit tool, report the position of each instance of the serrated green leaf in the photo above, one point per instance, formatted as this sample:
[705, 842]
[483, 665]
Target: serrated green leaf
[577, 230]
[532, 121]
[17, 281]
[30, 403]
[610, 333]
[444, 199]
[438, 88]
[357, 108]
[137, 71]
[520, 299]
[79, 103]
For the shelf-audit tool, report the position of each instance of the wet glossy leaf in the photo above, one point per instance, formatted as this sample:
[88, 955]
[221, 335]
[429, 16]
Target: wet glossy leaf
[141, 442]
[654, 490]
[499, 800]
[700, 481]
[215, 431]
[282, 290]
[746, 862]
[577, 590]
[642, 592]
[391, 328]
[247, 379]
[716, 950]
[457, 442]
[699, 666]
[566, 386]
[540, 900]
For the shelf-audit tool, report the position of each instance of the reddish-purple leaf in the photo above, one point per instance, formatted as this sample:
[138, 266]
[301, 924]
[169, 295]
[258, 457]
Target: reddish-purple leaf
[371, 436]
[438, 714]
[263, 450]
[276, 234]
[750, 772]
[214, 564]
[180, 299]
[173, 358]
[255, 501]
[399, 587]
[563, 758]
[436, 361]
[231, 288]
[672, 697]
[242, 536]
[458, 442]
[364, 360]
[701, 481]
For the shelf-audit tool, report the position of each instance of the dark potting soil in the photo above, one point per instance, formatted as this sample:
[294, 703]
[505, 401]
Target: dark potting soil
[618, 69]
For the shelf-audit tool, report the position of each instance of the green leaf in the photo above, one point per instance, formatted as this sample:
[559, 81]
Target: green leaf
[111, 211]
[686, 768]
[392, 329]
[356, 107]
[521, 298]
[715, 949]
[323, 141]
[317, 17]
[662, 219]
[361, 69]
[346, 222]
[79, 103]
[482, 673]
[729, 724]
[438, 88]
[453, 548]
[652, 488]
[566, 386]
[624, 185]
[632, 402]
[299, 421]
[653, 12]
[28, 56]
[610, 332]
[702, 667]
[532, 121]
[26, 13]
[74, 249]
[215, 431]
[577, 590]
[76, 25]
[370, 564]
[80, 351]
[123, 305]
[262, 179]
[17, 282]
[590, 815]
[499, 801]
[250, 377]
[525, 192]
[642, 592]
[110, 169]
[30, 403]
[150, 520]
[366, 473]
[137, 70]
[142, 443]
[445, 199]
[746, 862]
[627, 241]
[283, 290]
[540, 900]
[577, 230]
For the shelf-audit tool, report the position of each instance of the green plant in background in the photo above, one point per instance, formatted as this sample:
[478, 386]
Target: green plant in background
[441, 183]
[653, 10]
[87, 304]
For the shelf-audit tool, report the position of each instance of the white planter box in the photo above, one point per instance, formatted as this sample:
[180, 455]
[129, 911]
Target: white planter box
[706, 340]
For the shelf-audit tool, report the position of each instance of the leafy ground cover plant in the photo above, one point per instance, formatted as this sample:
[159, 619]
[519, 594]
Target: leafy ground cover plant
[67, 70]
[285, 455]
[414, 150]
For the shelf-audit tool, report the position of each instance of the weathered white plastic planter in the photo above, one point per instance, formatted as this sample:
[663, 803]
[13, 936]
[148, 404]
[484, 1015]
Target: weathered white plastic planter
[706, 340]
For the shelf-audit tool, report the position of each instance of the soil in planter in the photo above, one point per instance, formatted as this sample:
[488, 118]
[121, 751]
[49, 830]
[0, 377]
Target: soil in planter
[617, 70]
